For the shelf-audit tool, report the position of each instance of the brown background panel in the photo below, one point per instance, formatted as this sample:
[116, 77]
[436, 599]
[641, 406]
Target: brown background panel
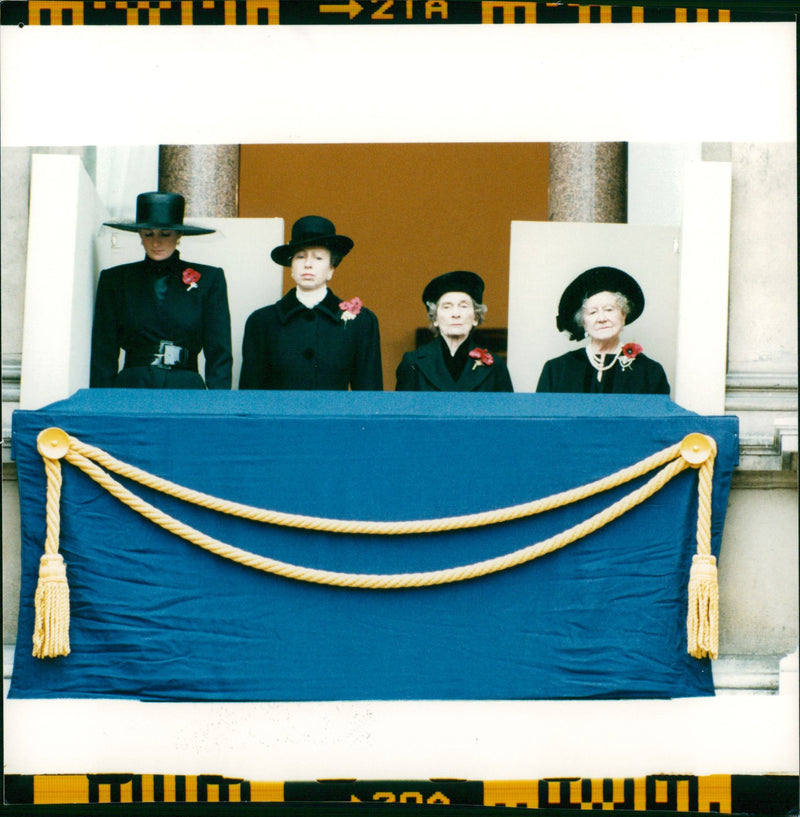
[413, 210]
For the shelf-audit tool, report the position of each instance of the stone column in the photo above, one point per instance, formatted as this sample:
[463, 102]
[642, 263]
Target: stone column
[588, 181]
[206, 175]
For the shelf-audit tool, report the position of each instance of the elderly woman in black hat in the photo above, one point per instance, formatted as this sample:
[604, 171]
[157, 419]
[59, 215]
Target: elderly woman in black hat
[162, 311]
[453, 361]
[311, 338]
[599, 303]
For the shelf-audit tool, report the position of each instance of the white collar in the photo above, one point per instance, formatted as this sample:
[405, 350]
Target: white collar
[311, 299]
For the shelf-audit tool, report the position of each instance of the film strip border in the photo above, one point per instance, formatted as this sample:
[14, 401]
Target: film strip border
[358, 12]
[723, 794]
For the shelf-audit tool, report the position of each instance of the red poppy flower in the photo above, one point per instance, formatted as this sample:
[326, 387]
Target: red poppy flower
[631, 350]
[350, 309]
[190, 276]
[353, 306]
[482, 356]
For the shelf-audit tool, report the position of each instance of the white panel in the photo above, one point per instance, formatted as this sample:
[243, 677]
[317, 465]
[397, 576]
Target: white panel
[703, 298]
[531, 83]
[546, 256]
[59, 282]
[241, 246]
[411, 740]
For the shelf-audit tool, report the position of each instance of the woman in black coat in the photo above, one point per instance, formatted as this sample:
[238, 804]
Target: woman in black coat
[311, 339]
[599, 303]
[162, 311]
[453, 361]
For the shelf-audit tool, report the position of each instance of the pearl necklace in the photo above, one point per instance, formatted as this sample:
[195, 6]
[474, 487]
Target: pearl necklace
[596, 359]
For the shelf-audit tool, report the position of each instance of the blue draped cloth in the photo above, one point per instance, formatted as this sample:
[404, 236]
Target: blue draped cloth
[154, 617]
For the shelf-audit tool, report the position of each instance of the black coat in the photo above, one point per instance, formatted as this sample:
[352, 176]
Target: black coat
[130, 315]
[289, 346]
[425, 369]
[573, 372]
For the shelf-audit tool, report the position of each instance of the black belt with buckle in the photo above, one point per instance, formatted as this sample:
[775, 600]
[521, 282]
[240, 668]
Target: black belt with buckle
[164, 355]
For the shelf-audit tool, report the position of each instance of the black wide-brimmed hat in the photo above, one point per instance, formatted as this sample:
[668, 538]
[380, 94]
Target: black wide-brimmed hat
[311, 231]
[594, 280]
[456, 281]
[159, 211]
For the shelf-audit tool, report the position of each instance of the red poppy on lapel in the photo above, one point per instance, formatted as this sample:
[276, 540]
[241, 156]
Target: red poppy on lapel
[191, 277]
[631, 350]
[482, 357]
[350, 308]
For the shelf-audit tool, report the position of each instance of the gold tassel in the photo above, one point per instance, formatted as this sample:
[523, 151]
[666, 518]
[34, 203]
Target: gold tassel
[51, 603]
[702, 621]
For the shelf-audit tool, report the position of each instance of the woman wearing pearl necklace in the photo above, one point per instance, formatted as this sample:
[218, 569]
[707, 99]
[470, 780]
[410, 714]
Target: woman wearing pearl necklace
[599, 303]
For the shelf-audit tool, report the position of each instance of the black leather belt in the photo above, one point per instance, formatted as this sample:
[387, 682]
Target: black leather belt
[164, 355]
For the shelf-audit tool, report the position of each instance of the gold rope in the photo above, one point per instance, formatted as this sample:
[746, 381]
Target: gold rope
[448, 523]
[695, 450]
[377, 581]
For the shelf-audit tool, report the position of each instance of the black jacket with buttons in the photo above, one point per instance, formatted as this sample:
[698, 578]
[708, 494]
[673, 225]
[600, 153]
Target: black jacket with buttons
[289, 346]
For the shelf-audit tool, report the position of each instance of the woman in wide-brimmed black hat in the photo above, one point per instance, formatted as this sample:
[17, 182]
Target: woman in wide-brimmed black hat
[599, 303]
[311, 338]
[453, 361]
[162, 311]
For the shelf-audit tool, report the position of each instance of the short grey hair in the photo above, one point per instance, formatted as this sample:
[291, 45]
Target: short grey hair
[622, 302]
[480, 313]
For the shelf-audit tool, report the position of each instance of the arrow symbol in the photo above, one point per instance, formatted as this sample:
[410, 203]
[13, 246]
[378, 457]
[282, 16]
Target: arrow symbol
[352, 8]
